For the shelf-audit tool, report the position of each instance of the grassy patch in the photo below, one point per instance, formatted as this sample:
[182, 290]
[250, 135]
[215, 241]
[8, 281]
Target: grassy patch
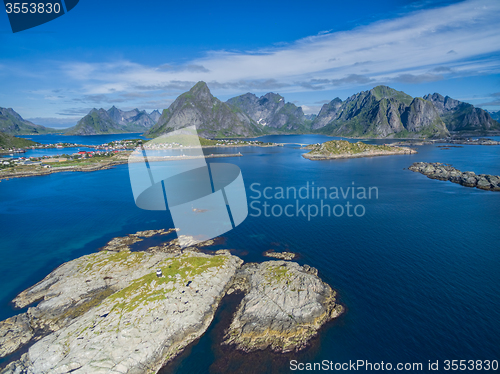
[150, 288]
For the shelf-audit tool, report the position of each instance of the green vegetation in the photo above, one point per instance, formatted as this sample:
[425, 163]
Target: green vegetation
[341, 147]
[277, 273]
[186, 140]
[384, 92]
[9, 141]
[150, 288]
[98, 260]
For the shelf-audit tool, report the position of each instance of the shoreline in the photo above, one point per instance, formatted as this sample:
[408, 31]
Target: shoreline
[39, 171]
[359, 155]
[343, 149]
[174, 309]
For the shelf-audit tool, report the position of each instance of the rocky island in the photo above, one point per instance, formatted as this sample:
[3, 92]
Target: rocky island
[447, 172]
[336, 149]
[121, 310]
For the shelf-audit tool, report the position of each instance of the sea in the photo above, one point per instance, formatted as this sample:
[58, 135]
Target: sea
[416, 265]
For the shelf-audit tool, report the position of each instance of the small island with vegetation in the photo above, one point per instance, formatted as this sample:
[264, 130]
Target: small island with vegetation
[336, 149]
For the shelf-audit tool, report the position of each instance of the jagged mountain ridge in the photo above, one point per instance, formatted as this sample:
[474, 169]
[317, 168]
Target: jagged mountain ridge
[212, 117]
[461, 116]
[270, 110]
[13, 124]
[112, 121]
[155, 115]
[381, 112]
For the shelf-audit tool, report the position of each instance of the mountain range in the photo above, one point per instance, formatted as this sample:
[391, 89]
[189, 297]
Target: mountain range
[113, 121]
[212, 117]
[381, 112]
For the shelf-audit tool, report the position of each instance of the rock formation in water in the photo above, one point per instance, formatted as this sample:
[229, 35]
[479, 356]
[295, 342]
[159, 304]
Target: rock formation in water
[125, 311]
[284, 306]
[447, 172]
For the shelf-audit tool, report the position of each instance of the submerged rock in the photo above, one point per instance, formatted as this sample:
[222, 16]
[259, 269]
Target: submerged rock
[284, 307]
[447, 172]
[281, 255]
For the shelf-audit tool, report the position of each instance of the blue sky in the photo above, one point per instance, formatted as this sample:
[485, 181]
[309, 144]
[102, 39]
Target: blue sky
[145, 53]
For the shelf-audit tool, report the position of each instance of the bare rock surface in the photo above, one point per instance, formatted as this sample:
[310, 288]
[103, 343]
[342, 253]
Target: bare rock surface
[118, 311]
[447, 172]
[281, 255]
[14, 333]
[284, 306]
[134, 322]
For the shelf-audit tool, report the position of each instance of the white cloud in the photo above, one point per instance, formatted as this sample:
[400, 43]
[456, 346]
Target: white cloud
[406, 48]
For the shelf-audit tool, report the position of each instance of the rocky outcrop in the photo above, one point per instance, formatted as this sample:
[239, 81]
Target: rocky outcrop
[284, 306]
[446, 172]
[139, 324]
[14, 333]
[212, 118]
[461, 116]
[120, 311]
[281, 255]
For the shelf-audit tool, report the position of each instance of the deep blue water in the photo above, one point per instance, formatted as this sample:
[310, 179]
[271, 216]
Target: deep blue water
[79, 139]
[418, 273]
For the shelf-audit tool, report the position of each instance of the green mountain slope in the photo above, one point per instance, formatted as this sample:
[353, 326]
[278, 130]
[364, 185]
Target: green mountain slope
[8, 141]
[381, 112]
[13, 124]
[212, 117]
[112, 121]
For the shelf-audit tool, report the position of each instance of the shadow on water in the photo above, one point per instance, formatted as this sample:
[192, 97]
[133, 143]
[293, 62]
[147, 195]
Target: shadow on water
[208, 355]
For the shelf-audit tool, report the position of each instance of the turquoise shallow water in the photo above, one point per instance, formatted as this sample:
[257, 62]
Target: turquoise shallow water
[418, 273]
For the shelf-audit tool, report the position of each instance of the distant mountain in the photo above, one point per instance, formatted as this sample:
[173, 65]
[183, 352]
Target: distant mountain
[112, 121]
[212, 117]
[8, 141]
[94, 123]
[271, 110]
[381, 112]
[12, 123]
[133, 120]
[460, 116]
[327, 114]
[495, 115]
[155, 115]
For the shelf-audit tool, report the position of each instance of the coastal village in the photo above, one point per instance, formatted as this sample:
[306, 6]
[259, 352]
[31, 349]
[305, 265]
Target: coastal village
[105, 150]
